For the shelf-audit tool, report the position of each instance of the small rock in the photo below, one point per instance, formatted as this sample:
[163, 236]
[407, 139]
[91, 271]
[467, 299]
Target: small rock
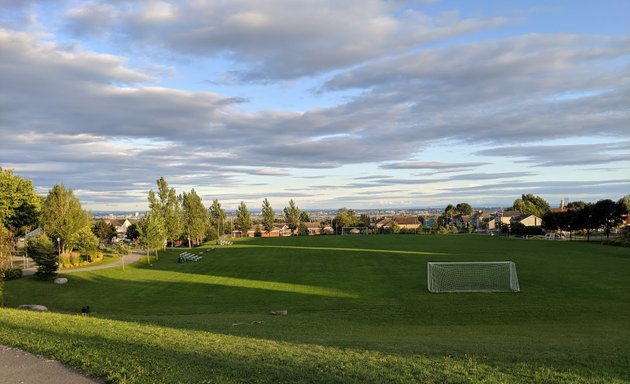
[282, 312]
[33, 307]
[61, 280]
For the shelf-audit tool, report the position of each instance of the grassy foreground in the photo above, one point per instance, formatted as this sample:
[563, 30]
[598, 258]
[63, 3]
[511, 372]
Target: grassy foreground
[358, 308]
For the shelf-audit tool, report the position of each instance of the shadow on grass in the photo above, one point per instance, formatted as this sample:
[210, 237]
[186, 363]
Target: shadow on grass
[134, 353]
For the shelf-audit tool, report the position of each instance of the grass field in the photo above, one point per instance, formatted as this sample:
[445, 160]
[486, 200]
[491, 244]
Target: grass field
[359, 311]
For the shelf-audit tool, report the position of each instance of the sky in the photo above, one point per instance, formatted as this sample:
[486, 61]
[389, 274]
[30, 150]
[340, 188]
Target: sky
[355, 103]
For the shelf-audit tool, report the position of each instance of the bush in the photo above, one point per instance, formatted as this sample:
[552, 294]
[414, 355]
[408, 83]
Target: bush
[12, 274]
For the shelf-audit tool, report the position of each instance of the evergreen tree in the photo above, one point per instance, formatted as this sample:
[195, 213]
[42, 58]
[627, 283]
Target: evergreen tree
[243, 219]
[42, 250]
[292, 215]
[62, 215]
[268, 217]
[105, 232]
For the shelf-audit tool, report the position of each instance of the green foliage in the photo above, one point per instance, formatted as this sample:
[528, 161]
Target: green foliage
[152, 234]
[464, 208]
[62, 215]
[345, 218]
[195, 217]
[268, 216]
[217, 215]
[169, 209]
[42, 250]
[305, 217]
[83, 241]
[19, 204]
[121, 248]
[132, 232]
[12, 274]
[531, 205]
[292, 215]
[243, 220]
[104, 231]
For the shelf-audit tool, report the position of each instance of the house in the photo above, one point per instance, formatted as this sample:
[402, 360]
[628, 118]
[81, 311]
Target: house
[121, 227]
[529, 220]
[403, 221]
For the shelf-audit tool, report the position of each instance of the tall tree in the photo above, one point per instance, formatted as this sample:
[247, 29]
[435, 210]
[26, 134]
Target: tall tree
[62, 215]
[268, 217]
[170, 210]
[152, 232]
[195, 217]
[292, 215]
[217, 216]
[243, 219]
[305, 217]
[19, 204]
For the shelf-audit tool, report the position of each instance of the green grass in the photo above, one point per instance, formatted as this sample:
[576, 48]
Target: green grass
[358, 309]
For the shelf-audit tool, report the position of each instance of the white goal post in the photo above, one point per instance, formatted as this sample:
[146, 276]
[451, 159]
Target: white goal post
[354, 230]
[482, 276]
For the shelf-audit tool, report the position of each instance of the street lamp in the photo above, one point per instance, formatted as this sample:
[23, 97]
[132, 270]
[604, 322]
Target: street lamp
[59, 249]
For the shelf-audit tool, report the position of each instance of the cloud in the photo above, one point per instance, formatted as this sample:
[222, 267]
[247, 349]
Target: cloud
[433, 165]
[564, 155]
[276, 40]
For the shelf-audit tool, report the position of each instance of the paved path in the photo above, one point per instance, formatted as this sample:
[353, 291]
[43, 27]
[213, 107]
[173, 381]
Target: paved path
[20, 367]
[130, 258]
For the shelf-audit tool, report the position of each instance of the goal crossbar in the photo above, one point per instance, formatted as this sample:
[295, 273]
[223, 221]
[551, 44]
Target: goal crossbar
[482, 276]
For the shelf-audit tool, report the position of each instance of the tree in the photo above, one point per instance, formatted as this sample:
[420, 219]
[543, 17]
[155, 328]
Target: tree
[607, 214]
[292, 215]
[305, 217]
[624, 202]
[170, 210]
[19, 204]
[217, 216]
[6, 252]
[84, 241]
[195, 217]
[243, 219]
[531, 205]
[152, 232]
[42, 251]
[464, 208]
[345, 218]
[172, 214]
[132, 232]
[104, 231]
[62, 215]
[268, 217]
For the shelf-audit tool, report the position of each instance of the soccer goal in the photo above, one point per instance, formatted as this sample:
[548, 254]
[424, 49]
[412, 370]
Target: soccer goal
[489, 276]
[354, 230]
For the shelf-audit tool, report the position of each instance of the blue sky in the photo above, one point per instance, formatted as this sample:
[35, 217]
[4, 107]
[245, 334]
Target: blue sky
[359, 104]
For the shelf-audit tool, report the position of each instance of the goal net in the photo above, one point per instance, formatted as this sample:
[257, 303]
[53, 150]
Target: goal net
[354, 230]
[492, 276]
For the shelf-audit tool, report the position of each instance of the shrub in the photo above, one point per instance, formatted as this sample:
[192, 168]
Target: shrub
[12, 274]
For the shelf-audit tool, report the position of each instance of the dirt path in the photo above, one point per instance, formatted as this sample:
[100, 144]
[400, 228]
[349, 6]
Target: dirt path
[20, 367]
[130, 258]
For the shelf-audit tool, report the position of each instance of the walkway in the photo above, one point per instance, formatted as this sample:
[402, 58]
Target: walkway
[130, 258]
[18, 366]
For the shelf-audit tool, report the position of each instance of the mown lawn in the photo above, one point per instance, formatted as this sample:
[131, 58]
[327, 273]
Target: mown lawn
[351, 300]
